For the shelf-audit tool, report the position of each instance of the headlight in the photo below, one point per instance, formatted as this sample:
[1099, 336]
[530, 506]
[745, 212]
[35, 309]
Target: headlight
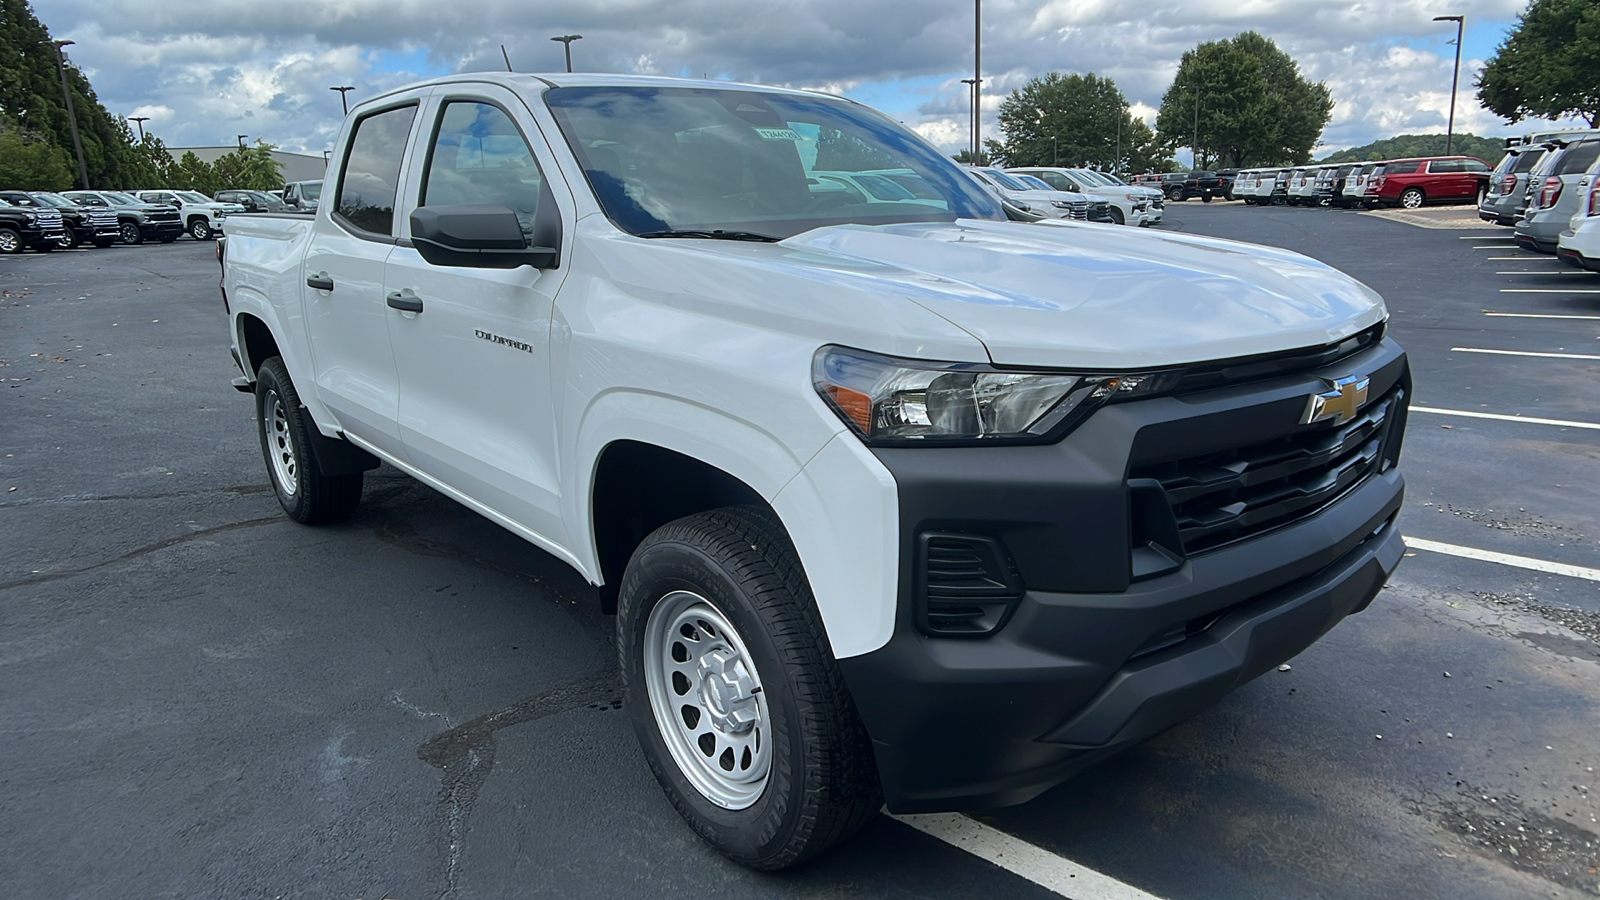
[895, 401]
[1061, 204]
[30, 218]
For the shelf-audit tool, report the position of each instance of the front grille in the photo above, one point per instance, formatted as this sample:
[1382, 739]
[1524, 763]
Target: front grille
[1219, 498]
[968, 584]
[1078, 210]
[167, 216]
[102, 217]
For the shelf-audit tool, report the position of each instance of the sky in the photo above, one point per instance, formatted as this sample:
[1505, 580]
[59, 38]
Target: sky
[204, 71]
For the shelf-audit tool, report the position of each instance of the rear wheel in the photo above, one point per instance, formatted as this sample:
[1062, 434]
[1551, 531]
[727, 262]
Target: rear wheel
[1411, 198]
[737, 701]
[130, 233]
[308, 496]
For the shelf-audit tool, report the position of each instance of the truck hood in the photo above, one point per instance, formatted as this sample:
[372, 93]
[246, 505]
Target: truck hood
[1074, 295]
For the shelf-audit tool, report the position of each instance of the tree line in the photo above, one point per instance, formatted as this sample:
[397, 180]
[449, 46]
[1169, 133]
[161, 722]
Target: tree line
[36, 149]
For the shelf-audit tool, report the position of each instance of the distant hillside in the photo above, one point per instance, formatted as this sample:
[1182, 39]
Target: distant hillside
[1405, 145]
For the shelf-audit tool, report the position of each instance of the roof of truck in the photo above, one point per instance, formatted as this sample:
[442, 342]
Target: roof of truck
[543, 80]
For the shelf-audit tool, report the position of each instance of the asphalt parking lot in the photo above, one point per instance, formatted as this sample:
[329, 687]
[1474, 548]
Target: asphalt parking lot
[201, 698]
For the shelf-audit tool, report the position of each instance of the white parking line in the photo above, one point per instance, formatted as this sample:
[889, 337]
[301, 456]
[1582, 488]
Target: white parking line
[1529, 420]
[1526, 258]
[1504, 559]
[1525, 353]
[1496, 247]
[1542, 274]
[1536, 315]
[1019, 857]
[1550, 290]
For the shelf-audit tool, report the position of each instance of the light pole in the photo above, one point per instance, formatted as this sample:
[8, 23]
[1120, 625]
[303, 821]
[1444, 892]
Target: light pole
[72, 116]
[345, 104]
[977, 81]
[241, 142]
[1196, 146]
[1450, 130]
[566, 42]
[139, 121]
[972, 120]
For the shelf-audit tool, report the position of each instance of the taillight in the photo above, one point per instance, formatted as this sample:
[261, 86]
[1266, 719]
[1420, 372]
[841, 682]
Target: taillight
[1508, 184]
[1377, 183]
[1550, 193]
[1594, 199]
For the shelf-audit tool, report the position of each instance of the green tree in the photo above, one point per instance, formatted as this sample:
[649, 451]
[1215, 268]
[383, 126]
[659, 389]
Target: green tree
[1245, 103]
[840, 152]
[194, 174]
[1074, 120]
[249, 168]
[1402, 146]
[1548, 66]
[28, 163]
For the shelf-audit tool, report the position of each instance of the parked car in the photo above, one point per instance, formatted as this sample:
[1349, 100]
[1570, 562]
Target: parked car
[1196, 183]
[1504, 202]
[1123, 207]
[895, 505]
[137, 221]
[202, 217]
[1411, 183]
[1580, 243]
[1356, 182]
[1280, 187]
[1049, 203]
[253, 201]
[1325, 183]
[30, 227]
[1264, 186]
[302, 196]
[80, 224]
[1151, 193]
[1302, 189]
[1099, 210]
[1226, 177]
[1337, 182]
[1555, 195]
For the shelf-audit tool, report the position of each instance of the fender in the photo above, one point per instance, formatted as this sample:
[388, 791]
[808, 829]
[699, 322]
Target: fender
[293, 345]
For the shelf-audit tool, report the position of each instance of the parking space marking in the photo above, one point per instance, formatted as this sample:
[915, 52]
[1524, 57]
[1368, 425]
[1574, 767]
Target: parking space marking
[1542, 274]
[1499, 417]
[1525, 353]
[1019, 857]
[1496, 247]
[1550, 290]
[1525, 258]
[1504, 559]
[1536, 315]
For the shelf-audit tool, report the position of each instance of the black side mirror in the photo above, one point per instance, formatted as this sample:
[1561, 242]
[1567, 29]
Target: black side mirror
[488, 235]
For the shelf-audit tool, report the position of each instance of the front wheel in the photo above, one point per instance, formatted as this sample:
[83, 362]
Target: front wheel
[1175, 195]
[735, 697]
[69, 240]
[10, 241]
[130, 233]
[199, 229]
[1411, 198]
[1117, 218]
[307, 495]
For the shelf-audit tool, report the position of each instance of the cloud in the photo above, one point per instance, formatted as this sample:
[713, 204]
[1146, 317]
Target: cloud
[206, 70]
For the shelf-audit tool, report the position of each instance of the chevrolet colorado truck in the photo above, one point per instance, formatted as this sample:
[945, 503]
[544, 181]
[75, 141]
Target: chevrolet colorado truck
[894, 503]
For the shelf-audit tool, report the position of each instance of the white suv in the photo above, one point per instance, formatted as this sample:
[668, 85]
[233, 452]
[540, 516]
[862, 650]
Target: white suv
[202, 216]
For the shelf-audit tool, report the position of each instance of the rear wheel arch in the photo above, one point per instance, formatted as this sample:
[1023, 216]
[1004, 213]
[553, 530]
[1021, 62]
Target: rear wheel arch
[256, 343]
[639, 487]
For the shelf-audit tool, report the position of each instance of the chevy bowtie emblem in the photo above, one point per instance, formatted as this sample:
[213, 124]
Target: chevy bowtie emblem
[1340, 404]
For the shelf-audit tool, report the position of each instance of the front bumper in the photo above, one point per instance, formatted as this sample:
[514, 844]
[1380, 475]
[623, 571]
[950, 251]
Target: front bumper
[1094, 656]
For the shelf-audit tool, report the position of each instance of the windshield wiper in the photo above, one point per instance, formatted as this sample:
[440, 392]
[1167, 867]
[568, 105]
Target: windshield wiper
[717, 235]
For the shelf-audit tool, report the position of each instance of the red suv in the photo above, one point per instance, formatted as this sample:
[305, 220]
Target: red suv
[1436, 179]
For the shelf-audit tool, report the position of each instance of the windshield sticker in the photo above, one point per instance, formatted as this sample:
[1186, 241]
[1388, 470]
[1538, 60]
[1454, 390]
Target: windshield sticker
[779, 134]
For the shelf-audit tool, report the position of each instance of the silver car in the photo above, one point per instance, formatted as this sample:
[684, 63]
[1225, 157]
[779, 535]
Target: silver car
[1508, 184]
[1553, 195]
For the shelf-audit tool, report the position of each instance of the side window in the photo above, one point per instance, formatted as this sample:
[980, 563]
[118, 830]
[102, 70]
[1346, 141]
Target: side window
[1472, 165]
[370, 180]
[1578, 158]
[1445, 166]
[479, 156]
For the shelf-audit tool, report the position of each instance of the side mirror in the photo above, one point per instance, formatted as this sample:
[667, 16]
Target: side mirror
[488, 235]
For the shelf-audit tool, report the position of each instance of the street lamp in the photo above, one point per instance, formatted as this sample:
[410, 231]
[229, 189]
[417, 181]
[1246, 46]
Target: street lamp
[241, 142]
[139, 121]
[1450, 130]
[977, 81]
[972, 120]
[343, 102]
[566, 42]
[72, 116]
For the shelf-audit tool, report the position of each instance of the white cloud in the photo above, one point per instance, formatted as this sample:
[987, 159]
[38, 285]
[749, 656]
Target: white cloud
[206, 70]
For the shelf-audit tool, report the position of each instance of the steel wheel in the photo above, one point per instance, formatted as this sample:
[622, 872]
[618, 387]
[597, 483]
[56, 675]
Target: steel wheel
[707, 699]
[280, 446]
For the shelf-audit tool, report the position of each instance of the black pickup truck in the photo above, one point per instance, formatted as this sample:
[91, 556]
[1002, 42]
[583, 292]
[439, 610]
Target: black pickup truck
[22, 227]
[82, 224]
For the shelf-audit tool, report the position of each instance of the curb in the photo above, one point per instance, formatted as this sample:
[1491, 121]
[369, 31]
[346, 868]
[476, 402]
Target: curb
[1454, 224]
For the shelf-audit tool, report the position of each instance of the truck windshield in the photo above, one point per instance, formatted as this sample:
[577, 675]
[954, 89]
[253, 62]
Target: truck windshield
[121, 199]
[55, 200]
[311, 190]
[698, 161]
[192, 197]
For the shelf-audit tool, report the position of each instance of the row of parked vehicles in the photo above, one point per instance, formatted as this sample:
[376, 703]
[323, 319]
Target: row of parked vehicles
[1405, 183]
[47, 220]
[1548, 188]
[1085, 195]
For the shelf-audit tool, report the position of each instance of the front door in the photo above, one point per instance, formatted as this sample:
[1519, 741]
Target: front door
[343, 278]
[476, 405]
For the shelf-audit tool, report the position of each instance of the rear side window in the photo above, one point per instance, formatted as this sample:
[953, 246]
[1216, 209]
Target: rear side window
[1474, 165]
[370, 180]
[1445, 166]
[1525, 161]
[1401, 168]
[1577, 159]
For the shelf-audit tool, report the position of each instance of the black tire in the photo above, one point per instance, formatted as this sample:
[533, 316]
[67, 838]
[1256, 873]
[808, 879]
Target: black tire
[1117, 218]
[129, 233]
[69, 240]
[1175, 195]
[10, 241]
[199, 229]
[1412, 198]
[1205, 198]
[308, 496]
[822, 783]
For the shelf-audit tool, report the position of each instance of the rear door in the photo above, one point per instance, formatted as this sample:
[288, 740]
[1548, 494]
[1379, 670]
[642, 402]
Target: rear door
[476, 398]
[351, 239]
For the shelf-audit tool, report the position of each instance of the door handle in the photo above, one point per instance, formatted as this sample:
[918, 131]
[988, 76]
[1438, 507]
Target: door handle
[403, 303]
[320, 281]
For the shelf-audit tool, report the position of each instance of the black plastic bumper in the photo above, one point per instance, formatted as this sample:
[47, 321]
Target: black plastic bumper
[1094, 658]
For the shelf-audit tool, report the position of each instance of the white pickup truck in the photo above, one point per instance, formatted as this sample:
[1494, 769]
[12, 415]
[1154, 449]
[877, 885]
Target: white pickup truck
[894, 502]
